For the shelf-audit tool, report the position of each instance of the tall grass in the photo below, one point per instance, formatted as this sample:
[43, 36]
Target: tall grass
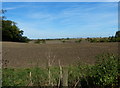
[103, 74]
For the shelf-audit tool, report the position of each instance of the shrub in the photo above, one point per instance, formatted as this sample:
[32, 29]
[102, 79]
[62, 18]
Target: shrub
[40, 41]
[112, 39]
[37, 41]
[106, 70]
[103, 74]
[93, 40]
[67, 38]
[78, 41]
[118, 39]
[24, 39]
[63, 41]
[103, 40]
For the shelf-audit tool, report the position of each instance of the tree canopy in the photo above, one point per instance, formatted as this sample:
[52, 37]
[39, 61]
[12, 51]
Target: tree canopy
[10, 31]
[117, 34]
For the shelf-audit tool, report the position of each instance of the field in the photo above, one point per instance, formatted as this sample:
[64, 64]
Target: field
[55, 63]
[31, 54]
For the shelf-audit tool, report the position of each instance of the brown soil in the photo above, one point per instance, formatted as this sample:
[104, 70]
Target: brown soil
[29, 54]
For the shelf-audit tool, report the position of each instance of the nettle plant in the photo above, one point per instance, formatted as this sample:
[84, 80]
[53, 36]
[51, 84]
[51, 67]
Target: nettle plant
[106, 70]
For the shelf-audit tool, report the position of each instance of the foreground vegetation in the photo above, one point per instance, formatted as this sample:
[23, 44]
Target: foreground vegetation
[103, 74]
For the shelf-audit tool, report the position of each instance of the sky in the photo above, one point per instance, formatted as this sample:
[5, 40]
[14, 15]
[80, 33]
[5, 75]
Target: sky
[60, 0]
[64, 19]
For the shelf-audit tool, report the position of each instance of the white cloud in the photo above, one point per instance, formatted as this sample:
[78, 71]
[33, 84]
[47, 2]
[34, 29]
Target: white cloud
[11, 8]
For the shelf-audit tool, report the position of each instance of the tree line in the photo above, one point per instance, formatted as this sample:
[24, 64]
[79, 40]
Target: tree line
[115, 38]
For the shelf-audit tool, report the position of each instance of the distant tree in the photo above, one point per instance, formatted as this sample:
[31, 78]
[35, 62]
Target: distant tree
[63, 40]
[40, 41]
[117, 34]
[78, 41]
[67, 38]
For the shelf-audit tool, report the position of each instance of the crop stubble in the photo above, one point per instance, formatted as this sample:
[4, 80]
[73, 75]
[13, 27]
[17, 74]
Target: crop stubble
[30, 55]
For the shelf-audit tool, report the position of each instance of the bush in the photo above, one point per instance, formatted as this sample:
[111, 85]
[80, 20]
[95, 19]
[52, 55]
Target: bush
[106, 70]
[40, 41]
[24, 39]
[103, 40]
[118, 39]
[104, 74]
[112, 39]
[78, 41]
[63, 41]
[93, 40]
[67, 38]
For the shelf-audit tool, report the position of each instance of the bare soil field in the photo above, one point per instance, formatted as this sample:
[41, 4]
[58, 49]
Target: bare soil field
[30, 54]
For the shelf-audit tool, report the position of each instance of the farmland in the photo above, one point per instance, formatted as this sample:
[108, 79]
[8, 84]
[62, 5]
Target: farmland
[31, 54]
[55, 63]
[65, 45]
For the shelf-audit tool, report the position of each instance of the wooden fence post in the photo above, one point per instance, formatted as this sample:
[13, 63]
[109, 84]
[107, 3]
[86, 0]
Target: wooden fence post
[60, 76]
[65, 77]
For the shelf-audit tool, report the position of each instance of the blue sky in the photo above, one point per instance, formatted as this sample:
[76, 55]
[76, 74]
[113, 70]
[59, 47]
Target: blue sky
[64, 19]
[60, 0]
